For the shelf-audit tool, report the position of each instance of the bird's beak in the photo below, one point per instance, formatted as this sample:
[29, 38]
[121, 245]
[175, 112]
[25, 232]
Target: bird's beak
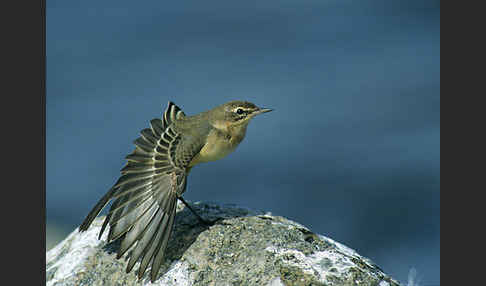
[262, 110]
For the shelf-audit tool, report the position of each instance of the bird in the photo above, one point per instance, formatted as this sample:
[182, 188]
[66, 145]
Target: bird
[155, 177]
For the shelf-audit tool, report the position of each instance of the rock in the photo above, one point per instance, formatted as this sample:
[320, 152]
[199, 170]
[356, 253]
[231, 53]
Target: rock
[244, 248]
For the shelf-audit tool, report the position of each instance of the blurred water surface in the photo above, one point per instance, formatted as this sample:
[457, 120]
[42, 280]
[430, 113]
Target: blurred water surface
[352, 149]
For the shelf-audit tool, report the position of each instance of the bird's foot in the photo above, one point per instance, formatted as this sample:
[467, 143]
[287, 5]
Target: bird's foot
[201, 220]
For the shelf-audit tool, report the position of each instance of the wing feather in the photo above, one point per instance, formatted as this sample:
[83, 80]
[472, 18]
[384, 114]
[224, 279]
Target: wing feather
[149, 135]
[138, 228]
[145, 195]
[159, 257]
[139, 157]
[157, 127]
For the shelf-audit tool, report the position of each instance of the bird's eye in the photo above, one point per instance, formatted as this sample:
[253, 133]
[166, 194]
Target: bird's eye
[239, 111]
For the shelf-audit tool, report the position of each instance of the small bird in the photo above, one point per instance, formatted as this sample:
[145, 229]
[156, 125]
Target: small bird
[155, 175]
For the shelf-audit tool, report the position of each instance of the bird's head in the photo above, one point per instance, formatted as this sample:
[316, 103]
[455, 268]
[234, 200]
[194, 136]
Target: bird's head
[235, 113]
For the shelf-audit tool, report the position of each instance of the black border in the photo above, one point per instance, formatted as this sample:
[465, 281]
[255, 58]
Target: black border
[23, 117]
[43, 133]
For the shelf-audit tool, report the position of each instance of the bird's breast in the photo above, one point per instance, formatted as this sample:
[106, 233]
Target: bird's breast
[218, 145]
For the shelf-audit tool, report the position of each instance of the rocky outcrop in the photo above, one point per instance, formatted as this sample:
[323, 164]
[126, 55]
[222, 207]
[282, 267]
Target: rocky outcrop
[243, 248]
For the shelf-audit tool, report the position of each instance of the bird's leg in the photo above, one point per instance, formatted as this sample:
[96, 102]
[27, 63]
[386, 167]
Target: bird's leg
[203, 221]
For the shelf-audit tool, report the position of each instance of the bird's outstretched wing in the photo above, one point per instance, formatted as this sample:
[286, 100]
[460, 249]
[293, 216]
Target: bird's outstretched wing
[145, 195]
